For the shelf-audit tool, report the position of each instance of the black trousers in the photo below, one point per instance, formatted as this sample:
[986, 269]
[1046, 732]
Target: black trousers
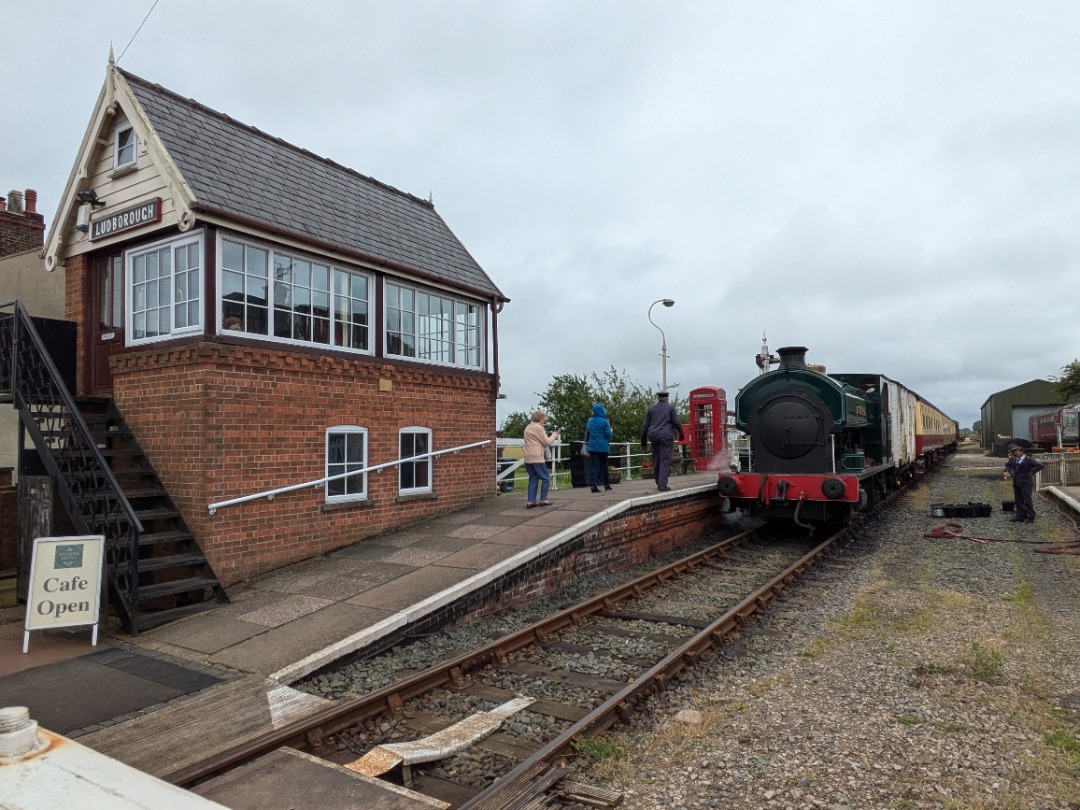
[599, 469]
[1025, 507]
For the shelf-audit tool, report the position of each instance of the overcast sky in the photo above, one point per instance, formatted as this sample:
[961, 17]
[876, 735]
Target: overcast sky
[895, 185]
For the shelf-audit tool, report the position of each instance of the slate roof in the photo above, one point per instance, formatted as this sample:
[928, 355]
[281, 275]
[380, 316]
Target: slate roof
[235, 169]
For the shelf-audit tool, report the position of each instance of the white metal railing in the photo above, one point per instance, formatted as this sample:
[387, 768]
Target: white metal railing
[1059, 469]
[628, 455]
[269, 494]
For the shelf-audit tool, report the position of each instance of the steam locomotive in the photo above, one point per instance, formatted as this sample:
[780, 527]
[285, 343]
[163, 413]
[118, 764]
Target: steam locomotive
[824, 446]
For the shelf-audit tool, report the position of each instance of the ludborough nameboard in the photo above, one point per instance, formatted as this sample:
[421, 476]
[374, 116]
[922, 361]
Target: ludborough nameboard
[145, 213]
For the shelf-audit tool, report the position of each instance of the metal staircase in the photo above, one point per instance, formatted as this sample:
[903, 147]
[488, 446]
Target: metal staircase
[156, 572]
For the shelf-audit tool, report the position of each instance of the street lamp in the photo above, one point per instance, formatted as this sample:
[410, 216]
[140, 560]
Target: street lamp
[667, 302]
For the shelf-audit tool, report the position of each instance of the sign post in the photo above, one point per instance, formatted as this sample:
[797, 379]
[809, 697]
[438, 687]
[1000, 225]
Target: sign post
[65, 584]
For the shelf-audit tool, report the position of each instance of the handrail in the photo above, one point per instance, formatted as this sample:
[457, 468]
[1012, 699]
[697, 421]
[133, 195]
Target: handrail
[73, 413]
[269, 494]
[117, 519]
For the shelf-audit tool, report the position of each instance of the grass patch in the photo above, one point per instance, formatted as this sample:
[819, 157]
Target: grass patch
[1067, 744]
[985, 663]
[879, 612]
[598, 749]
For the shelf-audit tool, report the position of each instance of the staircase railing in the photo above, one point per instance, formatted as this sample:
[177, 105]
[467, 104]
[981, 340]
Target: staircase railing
[85, 483]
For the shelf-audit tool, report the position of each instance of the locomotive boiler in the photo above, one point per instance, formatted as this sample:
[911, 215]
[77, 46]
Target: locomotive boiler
[823, 446]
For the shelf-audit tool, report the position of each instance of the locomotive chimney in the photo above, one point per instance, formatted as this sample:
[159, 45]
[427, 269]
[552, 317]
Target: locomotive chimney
[792, 357]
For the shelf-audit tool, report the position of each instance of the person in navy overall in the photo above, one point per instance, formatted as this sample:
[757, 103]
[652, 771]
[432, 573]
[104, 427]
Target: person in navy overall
[1022, 468]
[661, 426]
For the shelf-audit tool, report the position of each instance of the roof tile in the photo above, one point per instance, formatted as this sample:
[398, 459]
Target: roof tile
[247, 173]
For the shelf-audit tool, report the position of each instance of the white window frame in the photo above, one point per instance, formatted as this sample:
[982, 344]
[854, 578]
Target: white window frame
[177, 285]
[435, 325]
[339, 467]
[118, 163]
[404, 464]
[335, 303]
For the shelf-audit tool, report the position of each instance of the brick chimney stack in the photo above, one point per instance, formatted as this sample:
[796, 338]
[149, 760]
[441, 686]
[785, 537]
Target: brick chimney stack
[22, 228]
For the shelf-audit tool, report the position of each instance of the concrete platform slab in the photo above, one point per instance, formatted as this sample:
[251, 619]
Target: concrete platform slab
[479, 556]
[279, 646]
[337, 588]
[417, 556]
[450, 544]
[478, 531]
[285, 610]
[406, 591]
[521, 536]
[207, 634]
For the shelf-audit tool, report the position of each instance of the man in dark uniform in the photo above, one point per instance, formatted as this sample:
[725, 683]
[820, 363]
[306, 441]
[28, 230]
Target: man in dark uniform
[1022, 469]
[661, 425]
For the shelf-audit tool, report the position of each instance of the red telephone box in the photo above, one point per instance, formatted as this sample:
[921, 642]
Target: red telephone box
[707, 433]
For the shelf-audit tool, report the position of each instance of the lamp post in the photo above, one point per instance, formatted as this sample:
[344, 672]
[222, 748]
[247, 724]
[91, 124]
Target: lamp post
[667, 302]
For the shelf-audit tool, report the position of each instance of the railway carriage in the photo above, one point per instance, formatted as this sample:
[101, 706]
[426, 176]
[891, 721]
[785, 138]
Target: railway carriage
[823, 446]
[1056, 428]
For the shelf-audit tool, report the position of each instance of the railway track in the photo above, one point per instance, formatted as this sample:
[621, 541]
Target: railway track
[565, 679]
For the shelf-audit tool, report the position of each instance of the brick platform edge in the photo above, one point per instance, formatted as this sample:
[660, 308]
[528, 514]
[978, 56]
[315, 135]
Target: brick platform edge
[620, 542]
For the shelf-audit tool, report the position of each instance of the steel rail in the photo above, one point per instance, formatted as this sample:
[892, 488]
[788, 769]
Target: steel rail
[618, 705]
[307, 733]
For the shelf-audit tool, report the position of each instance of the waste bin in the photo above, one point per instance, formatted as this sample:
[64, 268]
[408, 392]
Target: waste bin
[578, 477]
[501, 465]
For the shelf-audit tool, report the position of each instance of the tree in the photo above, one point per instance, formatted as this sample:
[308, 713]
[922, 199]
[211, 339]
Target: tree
[1068, 384]
[625, 402]
[977, 427]
[513, 427]
[568, 401]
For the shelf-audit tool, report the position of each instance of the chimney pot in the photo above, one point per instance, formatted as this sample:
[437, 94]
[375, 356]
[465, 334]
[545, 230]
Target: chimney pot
[792, 357]
[15, 202]
[3, 204]
[31, 201]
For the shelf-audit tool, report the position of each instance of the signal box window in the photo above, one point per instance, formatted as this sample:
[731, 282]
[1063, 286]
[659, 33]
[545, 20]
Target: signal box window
[346, 451]
[415, 472]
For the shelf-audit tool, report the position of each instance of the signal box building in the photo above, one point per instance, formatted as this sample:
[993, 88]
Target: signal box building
[252, 317]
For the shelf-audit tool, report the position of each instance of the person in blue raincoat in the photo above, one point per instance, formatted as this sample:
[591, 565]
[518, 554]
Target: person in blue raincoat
[598, 441]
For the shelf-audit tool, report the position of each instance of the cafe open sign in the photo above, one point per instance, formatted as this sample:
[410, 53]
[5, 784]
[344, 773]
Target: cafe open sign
[65, 584]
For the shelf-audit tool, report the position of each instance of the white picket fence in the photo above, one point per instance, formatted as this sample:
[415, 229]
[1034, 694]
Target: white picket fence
[1059, 470]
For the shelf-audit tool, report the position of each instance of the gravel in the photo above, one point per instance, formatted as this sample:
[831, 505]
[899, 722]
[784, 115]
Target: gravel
[916, 673]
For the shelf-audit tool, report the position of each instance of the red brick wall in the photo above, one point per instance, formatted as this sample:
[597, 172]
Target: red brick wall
[624, 541]
[74, 293]
[220, 421]
[21, 226]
